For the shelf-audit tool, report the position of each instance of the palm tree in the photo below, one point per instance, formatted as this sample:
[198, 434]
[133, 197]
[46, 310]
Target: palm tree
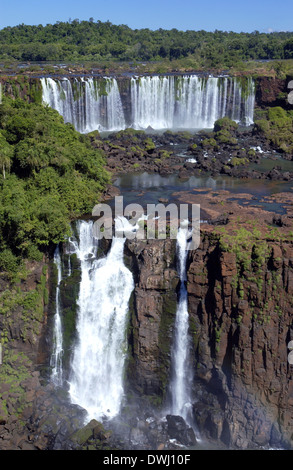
[5, 155]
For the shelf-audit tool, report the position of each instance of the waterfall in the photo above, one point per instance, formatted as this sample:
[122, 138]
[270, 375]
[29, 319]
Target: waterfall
[181, 374]
[152, 100]
[96, 382]
[162, 102]
[88, 104]
[56, 357]
[189, 101]
[249, 103]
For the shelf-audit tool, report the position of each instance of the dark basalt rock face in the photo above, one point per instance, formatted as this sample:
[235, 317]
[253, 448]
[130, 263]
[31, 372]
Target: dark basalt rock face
[241, 327]
[178, 430]
[153, 310]
[270, 91]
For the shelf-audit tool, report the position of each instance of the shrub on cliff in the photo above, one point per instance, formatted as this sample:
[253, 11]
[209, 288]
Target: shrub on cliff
[277, 129]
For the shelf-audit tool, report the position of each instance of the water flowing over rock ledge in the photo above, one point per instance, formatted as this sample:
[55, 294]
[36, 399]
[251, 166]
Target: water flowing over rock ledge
[160, 102]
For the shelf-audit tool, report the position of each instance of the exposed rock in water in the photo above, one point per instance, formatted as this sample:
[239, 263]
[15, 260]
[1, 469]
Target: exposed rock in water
[178, 430]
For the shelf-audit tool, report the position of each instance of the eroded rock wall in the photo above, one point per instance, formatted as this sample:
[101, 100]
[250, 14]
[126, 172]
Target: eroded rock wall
[153, 310]
[241, 325]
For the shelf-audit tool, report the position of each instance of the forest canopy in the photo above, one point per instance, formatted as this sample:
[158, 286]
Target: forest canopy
[50, 174]
[95, 40]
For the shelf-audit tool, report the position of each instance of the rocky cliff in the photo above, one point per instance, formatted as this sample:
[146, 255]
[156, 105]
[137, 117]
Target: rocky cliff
[34, 415]
[153, 309]
[240, 305]
[272, 91]
[240, 308]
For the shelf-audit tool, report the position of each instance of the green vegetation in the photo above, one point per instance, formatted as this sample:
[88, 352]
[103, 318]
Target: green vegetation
[21, 86]
[250, 248]
[225, 123]
[277, 127]
[95, 41]
[14, 370]
[128, 134]
[27, 305]
[223, 131]
[50, 174]
[257, 279]
[236, 161]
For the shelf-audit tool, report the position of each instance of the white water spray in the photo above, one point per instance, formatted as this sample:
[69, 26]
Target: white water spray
[56, 357]
[189, 102]
[88, 104]
[96, 382]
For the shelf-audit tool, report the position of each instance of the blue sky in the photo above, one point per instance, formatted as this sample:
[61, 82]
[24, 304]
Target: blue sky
[225, 15]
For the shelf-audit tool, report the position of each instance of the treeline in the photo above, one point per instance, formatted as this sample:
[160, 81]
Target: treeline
[50, 174]
[95, 41]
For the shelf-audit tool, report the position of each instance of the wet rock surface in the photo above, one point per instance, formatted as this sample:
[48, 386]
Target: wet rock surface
[146, 432]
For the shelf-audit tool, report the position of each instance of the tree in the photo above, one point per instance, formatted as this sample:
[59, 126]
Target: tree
[55, 175]
[288, 49]
[6, 152]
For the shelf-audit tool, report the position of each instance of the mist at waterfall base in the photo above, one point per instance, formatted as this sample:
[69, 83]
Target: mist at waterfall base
[158, 102]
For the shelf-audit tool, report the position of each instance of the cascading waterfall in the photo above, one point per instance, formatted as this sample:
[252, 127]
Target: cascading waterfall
[88, 104]
[249, 103]
[96, 382]
[176, 102]
[180, 386]
[190, 101]
[152, 101]
[56, 357]
[162, 102]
